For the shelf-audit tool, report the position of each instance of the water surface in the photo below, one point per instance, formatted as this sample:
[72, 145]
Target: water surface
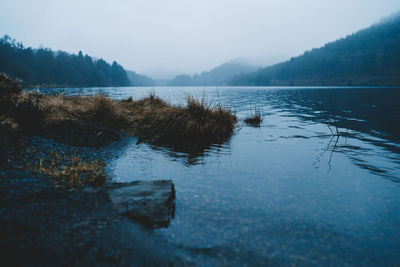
[317, 183]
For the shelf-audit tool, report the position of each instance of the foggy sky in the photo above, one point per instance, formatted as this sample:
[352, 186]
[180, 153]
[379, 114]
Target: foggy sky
[163, 38]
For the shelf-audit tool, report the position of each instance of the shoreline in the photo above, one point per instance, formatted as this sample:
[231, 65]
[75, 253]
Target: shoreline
[46, 223]
[59, 205]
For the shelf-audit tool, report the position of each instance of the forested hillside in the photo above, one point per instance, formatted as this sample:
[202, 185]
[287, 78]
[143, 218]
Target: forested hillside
[44, 67]
[368, 57]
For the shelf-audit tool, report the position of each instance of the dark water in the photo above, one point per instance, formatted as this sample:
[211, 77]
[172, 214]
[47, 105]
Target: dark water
[290, 191]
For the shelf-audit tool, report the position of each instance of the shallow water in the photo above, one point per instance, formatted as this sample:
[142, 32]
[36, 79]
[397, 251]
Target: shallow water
[289, 191]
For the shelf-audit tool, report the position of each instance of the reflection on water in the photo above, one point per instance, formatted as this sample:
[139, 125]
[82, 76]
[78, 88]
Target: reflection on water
[369, 117]
[292, 191]
[192, 154]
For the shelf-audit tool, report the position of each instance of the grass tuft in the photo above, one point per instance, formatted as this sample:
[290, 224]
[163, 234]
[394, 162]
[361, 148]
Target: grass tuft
[254, 119]
[197, 122]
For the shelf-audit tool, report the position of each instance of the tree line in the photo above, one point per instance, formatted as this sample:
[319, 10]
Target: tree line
[44, 67]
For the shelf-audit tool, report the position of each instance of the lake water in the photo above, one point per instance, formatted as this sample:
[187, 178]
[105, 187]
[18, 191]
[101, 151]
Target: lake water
[287, 192]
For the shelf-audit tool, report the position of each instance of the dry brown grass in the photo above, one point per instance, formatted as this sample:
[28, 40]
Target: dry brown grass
[70, 171]
[196, 122]
[96, 109]
[150, 117]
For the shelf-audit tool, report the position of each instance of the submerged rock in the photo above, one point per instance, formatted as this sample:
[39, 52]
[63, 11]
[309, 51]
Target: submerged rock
[149, 202]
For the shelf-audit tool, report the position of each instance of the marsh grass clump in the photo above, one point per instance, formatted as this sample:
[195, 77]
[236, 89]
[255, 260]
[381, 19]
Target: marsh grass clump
[150, 117]
[254, 119]
[195, 123]
[71, 171]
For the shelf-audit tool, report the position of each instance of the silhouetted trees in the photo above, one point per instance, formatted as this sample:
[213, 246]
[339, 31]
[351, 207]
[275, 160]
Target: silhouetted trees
[45, 67]
[368, 57]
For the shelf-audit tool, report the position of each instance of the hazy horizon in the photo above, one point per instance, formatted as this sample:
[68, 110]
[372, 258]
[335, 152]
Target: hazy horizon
[164, 38]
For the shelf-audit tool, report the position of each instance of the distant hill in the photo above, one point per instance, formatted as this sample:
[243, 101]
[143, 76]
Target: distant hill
[139, 80]
[44, 67]
[368, 57]
[219, 75]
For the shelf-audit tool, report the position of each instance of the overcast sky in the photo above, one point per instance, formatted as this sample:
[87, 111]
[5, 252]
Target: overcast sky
[166, 37]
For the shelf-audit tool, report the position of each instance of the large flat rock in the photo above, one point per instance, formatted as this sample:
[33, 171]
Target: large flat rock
[149, 202]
